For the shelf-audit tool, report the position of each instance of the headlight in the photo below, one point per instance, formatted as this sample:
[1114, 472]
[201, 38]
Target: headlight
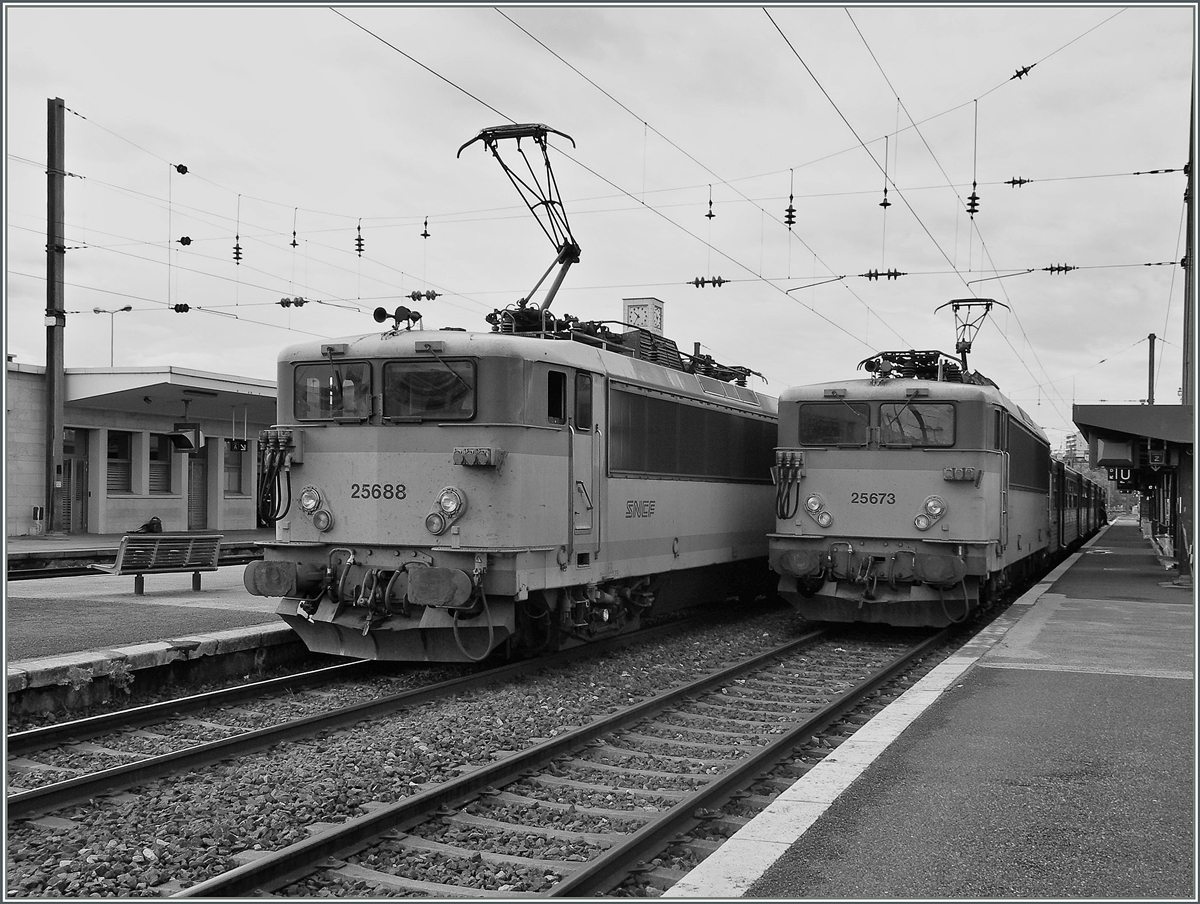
[824, 519]
[922, 521]
[310, 500]
[814, 503]
[322, 520]
[451, 502]
[935, 506]
[435, 523]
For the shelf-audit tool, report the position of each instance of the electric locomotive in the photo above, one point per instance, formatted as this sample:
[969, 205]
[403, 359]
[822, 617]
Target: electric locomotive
[455, 493]
[528, 489]
[914, 496]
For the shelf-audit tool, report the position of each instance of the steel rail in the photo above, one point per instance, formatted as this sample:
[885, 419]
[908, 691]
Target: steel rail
[55, 796]
[298, 859]
[597, 876]
[20, 743]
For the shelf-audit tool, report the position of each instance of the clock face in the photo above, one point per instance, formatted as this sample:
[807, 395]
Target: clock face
[644, 315]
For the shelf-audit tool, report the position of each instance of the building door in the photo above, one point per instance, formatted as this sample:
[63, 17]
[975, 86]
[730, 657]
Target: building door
[75, 495]
[75, 481]
[197, 490]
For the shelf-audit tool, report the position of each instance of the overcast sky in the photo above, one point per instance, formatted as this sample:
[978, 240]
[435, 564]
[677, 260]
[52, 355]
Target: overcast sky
[321, 122]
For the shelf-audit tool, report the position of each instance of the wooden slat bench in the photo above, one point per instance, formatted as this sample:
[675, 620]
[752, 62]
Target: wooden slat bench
[142, 554]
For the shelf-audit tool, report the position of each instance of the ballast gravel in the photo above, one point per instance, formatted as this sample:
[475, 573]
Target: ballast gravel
[175, 832]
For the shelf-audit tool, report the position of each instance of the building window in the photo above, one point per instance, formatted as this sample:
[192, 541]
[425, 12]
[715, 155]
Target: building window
[162, 453]
[233, 469]
[120, 462]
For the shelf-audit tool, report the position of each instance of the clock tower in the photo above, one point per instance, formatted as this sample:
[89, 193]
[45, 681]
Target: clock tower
[646, 313]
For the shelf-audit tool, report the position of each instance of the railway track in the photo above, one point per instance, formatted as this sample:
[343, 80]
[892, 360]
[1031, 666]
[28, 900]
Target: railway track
[67, 763]
[662, 755]
[582, 805]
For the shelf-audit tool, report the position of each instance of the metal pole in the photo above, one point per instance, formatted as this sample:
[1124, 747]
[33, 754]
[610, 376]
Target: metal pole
[1189, 260]
[56, 318]
[1185, 533]
[1150, 391]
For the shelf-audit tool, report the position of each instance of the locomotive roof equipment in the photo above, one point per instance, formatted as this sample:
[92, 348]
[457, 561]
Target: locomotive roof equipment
[966, 324]
[543, 198]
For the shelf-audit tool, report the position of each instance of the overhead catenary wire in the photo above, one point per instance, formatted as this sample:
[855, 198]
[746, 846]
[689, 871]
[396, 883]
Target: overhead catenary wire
[707, 169]
[247, 230]
[973, 199]
[629, 194]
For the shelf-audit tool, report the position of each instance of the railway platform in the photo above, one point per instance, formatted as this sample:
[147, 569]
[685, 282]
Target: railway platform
[88, 622]
[1054, 757]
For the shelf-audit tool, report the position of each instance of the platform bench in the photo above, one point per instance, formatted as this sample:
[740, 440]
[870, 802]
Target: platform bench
[142, 554]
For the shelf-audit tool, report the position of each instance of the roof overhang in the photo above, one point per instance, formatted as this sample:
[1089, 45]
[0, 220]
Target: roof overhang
[1169, 423]
[166, 389]
[1135, 436]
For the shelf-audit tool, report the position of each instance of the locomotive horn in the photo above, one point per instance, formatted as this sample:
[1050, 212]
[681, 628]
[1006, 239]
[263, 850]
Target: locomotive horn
[380, 315]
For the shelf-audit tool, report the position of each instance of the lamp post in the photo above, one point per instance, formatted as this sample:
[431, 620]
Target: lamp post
[111, 314]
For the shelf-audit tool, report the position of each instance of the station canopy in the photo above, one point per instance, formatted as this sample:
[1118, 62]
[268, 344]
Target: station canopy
[1119, 435]
[165, 390]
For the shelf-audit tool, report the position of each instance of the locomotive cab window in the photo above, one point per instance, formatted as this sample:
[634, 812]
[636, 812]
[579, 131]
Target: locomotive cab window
[556, 397]
[436, 390]
[916, 424]
[834, 423]
[583, 402]
[329, 391]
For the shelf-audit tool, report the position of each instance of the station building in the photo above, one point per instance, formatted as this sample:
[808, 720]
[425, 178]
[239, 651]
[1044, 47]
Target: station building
[138, 442]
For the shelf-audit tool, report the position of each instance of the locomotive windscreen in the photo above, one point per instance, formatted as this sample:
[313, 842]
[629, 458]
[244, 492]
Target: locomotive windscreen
[916, 424]
[834, 423]
[328, 391]
[429, 389]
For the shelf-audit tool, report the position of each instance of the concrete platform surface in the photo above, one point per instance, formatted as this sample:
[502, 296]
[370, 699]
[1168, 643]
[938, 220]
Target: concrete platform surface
[52, 616]
[95, 624]
[1054, 756]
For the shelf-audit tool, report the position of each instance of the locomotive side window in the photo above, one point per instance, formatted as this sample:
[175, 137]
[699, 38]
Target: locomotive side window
[556, 397]
[916, 424]
[583, 401]
[834, 423]
[328, 391]
[1029, 458]
[438, 389]
[659, 436]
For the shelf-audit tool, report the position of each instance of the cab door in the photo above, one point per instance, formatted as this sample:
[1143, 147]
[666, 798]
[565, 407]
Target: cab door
[1002, 445]
[584, 496]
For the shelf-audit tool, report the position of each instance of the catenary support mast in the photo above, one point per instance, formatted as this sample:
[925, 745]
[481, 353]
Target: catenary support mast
[56, 318]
